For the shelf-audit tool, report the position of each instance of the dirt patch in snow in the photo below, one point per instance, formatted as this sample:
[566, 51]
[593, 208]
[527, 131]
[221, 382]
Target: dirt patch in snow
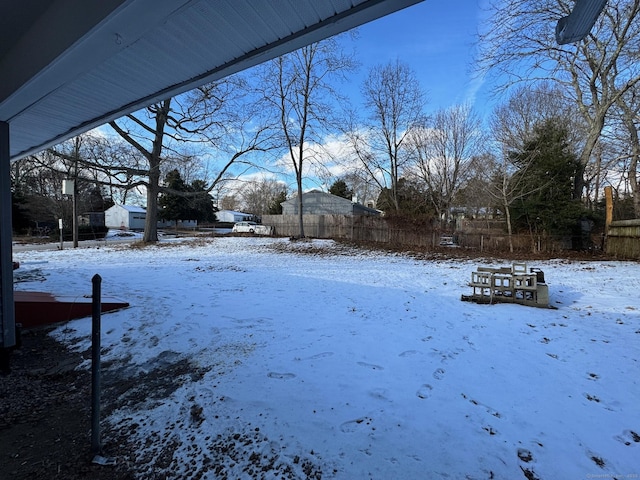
[45, 416]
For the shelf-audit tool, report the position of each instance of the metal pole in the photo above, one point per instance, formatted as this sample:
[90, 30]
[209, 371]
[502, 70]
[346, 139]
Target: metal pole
[76, 153]
[7, 312]
[95, 365]
[61, 234]
[74, 207]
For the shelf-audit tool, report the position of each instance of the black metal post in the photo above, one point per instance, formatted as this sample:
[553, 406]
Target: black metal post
[95, 365]
[7, 312]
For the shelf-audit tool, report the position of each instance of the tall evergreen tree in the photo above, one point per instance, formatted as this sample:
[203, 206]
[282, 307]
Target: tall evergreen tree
[19, 211]
[185, 202]
[410, 200]
[173, 203]
[547, 172]
[200, 203]
[340, 189]
[275, 206]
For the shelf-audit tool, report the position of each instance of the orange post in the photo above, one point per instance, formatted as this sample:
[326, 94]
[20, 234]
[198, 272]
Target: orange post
[608, 197]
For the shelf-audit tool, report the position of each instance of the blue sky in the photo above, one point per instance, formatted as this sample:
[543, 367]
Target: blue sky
[436, 39]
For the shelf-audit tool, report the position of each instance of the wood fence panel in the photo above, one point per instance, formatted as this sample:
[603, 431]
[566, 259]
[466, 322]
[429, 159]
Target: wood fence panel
[358, 228]
[623, 239]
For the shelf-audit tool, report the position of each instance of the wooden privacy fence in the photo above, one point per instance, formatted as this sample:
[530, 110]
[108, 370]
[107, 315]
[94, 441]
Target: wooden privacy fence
[362, 228]
[623, 239]
[379, 230]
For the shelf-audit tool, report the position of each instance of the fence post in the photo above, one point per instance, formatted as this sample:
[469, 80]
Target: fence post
[95, 365]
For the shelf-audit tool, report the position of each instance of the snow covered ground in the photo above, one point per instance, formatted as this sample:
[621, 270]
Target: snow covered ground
[314, 360]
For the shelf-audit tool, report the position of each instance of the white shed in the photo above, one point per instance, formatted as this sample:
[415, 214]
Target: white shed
[229, 216]
[126, 217]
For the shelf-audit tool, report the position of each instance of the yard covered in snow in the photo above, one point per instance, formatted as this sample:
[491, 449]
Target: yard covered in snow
[263, 358]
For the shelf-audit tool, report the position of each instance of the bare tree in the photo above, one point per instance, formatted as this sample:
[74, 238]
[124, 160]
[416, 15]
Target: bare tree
[474, 196]
[208, 116]
[443, 151]
[629, 108]
[365, 190]
[505, 188]
[39, 187]
[229, 202]
[62, 162]
[297, 90]
[153, 155]
[513, 125]
[513, 121]
[395, 102]
[258, 195]
[519, 44]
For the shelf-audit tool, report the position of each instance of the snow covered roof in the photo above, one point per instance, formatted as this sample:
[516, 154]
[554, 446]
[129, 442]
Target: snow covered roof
[132, 208]
[233, 212]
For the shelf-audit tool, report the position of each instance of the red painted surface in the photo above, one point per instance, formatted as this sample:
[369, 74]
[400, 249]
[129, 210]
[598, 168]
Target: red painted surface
[34, 309]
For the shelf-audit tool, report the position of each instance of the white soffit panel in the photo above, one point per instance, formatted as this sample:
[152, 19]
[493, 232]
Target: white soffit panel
[141, 51]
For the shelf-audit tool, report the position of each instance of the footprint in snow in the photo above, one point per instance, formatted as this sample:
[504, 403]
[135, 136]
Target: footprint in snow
[628, 437]
[488, 409]
[409, 353]
[525, 455]
[592, 398]
[379, 394]
[424, 391]
[354, 425]
[490, 430]
[370, 365]
[317, 356]
[281, 376]
[438, 374]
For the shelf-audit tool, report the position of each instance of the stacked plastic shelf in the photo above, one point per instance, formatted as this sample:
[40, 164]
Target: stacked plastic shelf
[513, 284]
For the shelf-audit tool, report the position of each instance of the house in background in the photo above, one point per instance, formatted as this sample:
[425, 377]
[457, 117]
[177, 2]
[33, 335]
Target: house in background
[130, 217]
[316, 202]
[125, 217]
[229, 216]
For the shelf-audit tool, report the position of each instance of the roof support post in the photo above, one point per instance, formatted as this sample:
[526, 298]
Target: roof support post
[7, 311]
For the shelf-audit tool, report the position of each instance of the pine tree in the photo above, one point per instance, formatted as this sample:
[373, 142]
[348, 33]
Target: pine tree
[275, 206]
[548, 169]
[173, 204]
[340, 189]
[201, 204]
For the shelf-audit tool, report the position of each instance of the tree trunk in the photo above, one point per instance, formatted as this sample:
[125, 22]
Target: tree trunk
[155, 159]
[507, 212]
[74, 196]
[595, 130]
[153, 189]
[299, 183]
[300, 213]
[394, 182]
[628, 117]
[635, 188]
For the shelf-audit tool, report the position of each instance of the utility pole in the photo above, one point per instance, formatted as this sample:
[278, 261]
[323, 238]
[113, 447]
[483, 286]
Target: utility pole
[74, 199]
[69, 188]
[76, 158]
